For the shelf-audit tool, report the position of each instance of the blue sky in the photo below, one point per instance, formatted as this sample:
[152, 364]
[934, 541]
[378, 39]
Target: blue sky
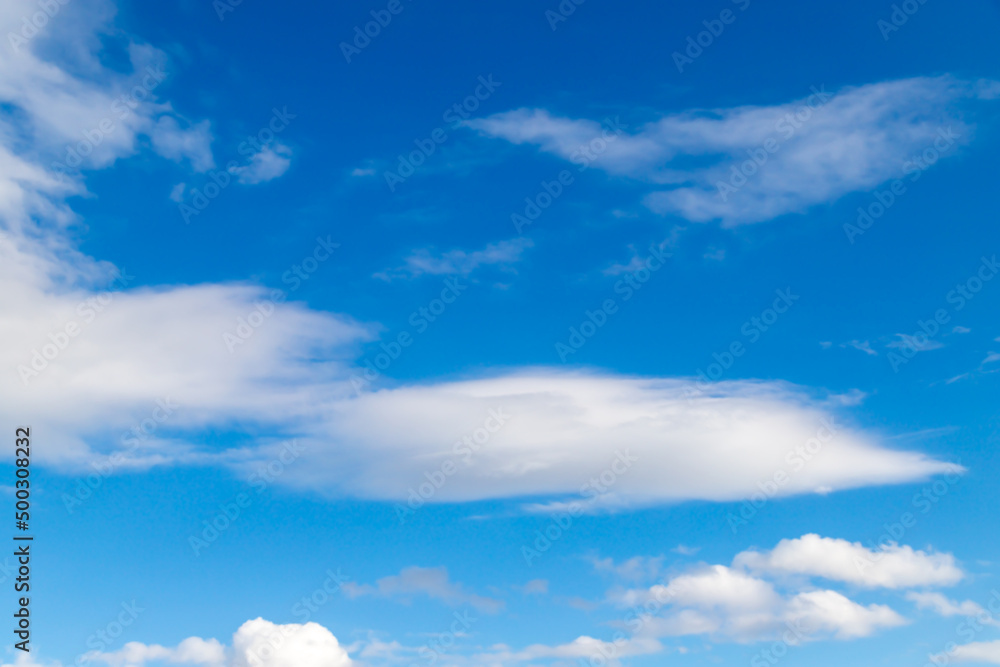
[506, 334]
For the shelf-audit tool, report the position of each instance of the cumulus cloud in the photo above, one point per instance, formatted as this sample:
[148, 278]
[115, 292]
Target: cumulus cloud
[191, 651]
[892, 566]
[433, 582]
[733, 605]
[257, 643]
[817, 149]
[459, 262]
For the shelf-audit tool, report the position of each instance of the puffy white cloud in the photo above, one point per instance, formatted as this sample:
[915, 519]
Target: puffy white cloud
[893, 566]
[260, 643]
[191, 651]
[817, 149]
[257, 643]
[430, 581]
[730, 604]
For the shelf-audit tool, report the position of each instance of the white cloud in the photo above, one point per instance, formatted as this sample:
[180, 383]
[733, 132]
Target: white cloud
[862, 346]
[430, 581]
[177, 192]
[269, 163]
[191, 143]
[854, 141]
[941, 605]
[892, 566]
[637, 261]
[732, 605]
[536, 587]
[981, 652]
[636, 569]
[78, 113]
[908, 342]
[459, 262]
[191, 651]
[581, 648]
[257, 643]
[260, 643]
[561, 430]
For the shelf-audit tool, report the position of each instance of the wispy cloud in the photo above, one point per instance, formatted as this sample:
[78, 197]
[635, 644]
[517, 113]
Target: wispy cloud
[503, 254]
[267, 164]
[432, 582]
[782, 159]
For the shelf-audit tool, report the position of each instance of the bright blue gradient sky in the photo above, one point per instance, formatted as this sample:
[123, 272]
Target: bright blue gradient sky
[303, 339]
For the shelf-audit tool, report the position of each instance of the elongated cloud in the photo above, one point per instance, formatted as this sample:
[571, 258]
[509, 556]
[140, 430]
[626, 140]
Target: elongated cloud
[893, 566]
[753, 163]
[430, 581]
[731, 605]
[543, 432]
[257, 643]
